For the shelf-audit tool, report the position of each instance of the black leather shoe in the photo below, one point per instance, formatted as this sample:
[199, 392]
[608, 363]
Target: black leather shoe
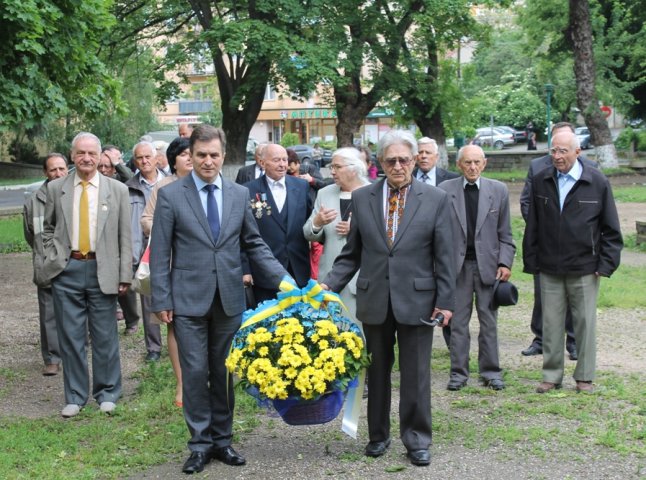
[420, 458]
[153, 357]
[196, 462]
[229, 456]
[573, 354]
[377, 449]
[532, 350]
[455, 385]
[495, 384]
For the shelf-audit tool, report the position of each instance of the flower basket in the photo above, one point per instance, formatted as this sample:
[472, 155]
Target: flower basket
[298, 354]
[310, 412]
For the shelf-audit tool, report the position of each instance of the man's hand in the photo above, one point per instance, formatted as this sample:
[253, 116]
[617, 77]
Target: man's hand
[123, 289]
[503, 274]
[165, 316]
[447, 316]
[247, 280]
[324, 286]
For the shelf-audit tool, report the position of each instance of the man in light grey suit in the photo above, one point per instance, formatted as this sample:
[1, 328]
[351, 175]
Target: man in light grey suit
[400, 239]
[86, 240]
[202, 222]
[483, 253]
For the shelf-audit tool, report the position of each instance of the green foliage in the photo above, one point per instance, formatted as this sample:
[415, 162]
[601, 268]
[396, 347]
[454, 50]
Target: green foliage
[629, 193]
[23, 150]
[629, 136]
[12, 237]
[49, 60]
[289, 140]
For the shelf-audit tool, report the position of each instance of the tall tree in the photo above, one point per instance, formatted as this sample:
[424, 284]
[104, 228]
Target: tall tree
[580, 35]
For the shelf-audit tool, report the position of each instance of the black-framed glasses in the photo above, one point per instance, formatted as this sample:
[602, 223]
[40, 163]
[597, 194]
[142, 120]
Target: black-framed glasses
[403, 161]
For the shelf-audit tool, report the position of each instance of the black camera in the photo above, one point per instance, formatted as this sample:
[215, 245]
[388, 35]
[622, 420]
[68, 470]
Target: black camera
[435, 321]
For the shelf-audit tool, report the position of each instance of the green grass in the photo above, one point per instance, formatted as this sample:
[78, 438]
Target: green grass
[12, 238]
[630, 193]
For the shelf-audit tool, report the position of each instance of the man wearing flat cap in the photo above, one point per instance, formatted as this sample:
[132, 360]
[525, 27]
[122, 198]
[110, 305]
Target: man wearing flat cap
[484, 251]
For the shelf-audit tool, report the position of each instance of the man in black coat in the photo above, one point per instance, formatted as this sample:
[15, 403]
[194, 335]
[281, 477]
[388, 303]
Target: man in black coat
[251, 172]
[537, 165]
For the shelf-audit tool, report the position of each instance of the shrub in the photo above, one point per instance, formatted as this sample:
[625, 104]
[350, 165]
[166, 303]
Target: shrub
[289, 140]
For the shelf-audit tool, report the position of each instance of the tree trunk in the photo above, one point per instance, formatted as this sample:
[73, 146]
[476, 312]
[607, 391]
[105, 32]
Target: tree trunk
[352, 107]
[580, 35]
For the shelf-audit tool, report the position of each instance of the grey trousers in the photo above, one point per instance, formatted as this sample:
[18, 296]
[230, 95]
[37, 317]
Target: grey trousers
[80, 306]
[152, 332]
[580, 294]
[469, 284]
[48, 333]
[204, 344]
[128, 303]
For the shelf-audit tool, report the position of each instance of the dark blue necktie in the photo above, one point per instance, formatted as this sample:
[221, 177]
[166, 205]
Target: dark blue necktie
[212, 211]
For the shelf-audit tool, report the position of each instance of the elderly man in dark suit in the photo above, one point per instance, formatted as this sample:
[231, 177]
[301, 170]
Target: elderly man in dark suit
[572, 238]
[282, 205]
[537, 165]
[400, 239]
[484, 252]
[86, 240]
[250, 172]
[201, 224]
[55, 166]
[428, 172]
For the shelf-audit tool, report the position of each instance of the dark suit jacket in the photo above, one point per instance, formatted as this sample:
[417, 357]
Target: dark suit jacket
[246, 174]
[318, 181]
[493, 240]
[113, 241]
[286, 242]
[537, 165]
[441, 175]
[417, 273]
[200, 266]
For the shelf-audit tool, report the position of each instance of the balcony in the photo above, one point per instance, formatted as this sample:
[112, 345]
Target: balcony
[187, 107]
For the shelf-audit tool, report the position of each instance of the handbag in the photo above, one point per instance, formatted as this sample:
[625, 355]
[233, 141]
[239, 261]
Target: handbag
[141, 280]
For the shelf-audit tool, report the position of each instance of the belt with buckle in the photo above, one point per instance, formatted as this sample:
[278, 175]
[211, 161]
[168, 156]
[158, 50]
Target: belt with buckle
[76, 255]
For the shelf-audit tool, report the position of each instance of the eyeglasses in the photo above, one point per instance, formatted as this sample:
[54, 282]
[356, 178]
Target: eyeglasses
[560, 151]
[337, 167]
[403, 161]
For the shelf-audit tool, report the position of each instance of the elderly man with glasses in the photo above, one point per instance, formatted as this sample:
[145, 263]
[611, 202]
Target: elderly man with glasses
[401, 243]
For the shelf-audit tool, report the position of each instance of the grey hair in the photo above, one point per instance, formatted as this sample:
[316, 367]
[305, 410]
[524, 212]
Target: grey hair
[428, 141]
[82, 135]
[396, 137]
[352, 158]
[461, 151]
[161, 146]
[150, 145]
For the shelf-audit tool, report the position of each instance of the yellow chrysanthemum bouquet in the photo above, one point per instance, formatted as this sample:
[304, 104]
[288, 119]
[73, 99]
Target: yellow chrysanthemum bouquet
[296, 354]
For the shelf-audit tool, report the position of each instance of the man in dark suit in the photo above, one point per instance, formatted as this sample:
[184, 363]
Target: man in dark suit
[55, 166]
[282, 205]
[201, 224]
[484, 252]
[537, 165]
[400, 239]
[428, 172]
[251, 172]
[86, 240]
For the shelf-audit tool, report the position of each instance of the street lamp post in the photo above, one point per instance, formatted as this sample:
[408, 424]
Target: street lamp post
[549, 88]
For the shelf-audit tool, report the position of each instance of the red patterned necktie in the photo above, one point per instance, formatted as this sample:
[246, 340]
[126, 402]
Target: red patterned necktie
[396, 200]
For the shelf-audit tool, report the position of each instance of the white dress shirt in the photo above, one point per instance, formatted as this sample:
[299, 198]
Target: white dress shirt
[278, 191]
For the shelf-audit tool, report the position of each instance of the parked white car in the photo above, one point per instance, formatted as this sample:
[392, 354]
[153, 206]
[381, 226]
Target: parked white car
[499, 140]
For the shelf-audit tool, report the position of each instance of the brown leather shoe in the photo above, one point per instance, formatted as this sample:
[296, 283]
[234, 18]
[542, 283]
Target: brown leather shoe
[51, 369]
[545, 387]
[585, 387]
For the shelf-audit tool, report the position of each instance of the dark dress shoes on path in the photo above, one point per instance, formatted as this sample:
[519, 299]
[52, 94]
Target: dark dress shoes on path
[196, 462]
[545, 387]
[420, 458]
[229, 456]
[532, 350]
[377, 449]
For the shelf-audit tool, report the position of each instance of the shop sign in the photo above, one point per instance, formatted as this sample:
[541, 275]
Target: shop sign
[312, 113]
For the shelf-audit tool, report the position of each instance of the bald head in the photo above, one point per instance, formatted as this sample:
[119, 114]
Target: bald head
[274, 161]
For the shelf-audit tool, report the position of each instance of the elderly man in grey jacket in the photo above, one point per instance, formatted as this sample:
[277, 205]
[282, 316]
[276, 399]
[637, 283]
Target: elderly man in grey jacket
[54, 166]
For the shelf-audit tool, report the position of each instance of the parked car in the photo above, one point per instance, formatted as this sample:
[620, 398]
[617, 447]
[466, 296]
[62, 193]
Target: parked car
[519, 135]
[304, 152]
[583, 135]
[499, 140]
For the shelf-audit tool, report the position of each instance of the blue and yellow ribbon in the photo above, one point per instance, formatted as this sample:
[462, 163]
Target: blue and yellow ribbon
[288, 295]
